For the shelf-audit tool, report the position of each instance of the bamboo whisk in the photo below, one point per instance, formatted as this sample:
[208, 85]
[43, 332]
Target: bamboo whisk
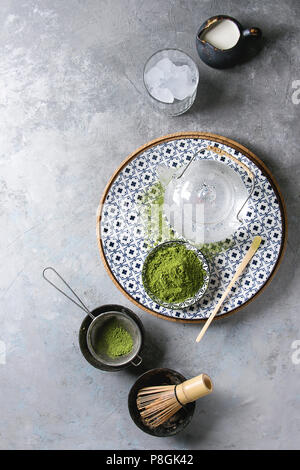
[158, 403]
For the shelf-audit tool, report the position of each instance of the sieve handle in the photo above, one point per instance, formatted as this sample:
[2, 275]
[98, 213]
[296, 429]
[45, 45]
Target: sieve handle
[80, 304]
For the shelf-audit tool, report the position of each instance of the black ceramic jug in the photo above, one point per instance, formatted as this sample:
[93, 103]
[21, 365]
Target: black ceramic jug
[223, 58]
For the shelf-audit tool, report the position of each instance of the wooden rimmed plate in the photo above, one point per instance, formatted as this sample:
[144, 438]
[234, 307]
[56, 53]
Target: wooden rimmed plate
[123, 243]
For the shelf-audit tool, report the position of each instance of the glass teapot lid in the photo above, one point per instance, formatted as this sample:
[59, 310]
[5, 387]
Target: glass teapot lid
[203, 202]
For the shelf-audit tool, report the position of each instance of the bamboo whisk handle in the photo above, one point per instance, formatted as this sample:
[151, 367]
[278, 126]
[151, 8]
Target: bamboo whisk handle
[194, 388]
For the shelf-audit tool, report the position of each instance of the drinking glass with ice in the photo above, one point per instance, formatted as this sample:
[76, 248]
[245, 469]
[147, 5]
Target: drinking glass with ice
[171, 79]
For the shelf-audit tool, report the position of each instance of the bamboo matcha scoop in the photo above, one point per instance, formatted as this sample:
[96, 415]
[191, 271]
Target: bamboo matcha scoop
[252, 250]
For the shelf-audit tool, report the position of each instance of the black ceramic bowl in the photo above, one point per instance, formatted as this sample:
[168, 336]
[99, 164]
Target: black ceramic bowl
[83, 343]
[160, 377]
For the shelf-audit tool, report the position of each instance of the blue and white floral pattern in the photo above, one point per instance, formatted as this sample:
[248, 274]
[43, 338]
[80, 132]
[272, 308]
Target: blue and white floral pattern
[123, 233]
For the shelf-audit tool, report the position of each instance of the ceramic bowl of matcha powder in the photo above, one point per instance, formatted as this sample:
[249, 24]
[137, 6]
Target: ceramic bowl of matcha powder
[175, 274]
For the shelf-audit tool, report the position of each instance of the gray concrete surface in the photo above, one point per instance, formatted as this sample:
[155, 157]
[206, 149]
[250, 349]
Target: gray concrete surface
[72, 107]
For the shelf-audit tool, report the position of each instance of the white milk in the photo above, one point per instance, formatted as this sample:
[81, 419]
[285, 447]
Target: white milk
[223, 35]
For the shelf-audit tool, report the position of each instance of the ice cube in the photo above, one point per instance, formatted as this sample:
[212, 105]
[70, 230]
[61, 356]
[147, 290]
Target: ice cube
[181, 83]
[166, 66]
[191, 79]
[167, 81]
[154, 77]
[162, 94]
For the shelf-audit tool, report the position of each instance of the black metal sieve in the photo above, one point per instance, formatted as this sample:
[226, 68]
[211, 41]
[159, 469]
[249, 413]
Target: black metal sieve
[92, 326]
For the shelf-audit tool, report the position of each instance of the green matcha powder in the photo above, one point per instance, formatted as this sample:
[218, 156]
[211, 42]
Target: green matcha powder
[114, 340]
[173, 273]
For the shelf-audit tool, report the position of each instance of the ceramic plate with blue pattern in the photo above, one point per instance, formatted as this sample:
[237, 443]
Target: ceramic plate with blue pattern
[126, 232]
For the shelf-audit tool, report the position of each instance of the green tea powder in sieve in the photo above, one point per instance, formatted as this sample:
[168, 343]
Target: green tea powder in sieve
[114, 340]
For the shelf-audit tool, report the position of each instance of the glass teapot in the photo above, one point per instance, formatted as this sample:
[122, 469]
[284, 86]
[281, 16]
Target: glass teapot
[204, 200]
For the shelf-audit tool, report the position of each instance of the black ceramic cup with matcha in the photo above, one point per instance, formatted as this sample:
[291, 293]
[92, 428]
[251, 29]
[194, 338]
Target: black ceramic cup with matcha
[113, 340]
[111, 336]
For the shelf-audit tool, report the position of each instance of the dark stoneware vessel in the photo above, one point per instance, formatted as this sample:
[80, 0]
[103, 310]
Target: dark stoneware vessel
[85, 326]
[224, 58]
[160, 377]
